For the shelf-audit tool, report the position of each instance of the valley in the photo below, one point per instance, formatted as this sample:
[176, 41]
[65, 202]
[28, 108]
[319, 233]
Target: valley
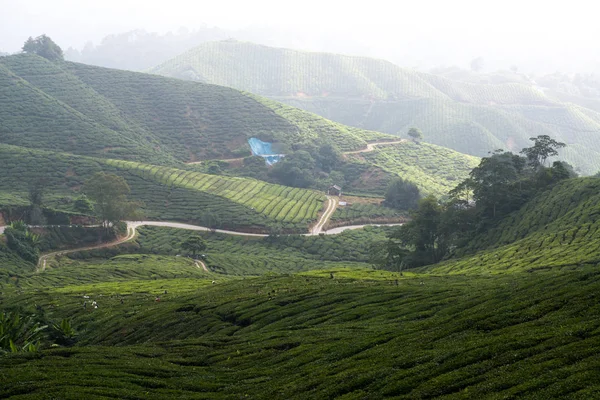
[146, 252]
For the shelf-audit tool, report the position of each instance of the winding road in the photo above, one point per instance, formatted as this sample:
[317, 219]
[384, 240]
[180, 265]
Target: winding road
[317, 229]
[133, 225]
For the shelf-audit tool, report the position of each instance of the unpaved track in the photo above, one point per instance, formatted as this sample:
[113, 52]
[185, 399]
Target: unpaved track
[371, 146]
[332, 204]
[200, 264]
[41, 266]
[317, 229]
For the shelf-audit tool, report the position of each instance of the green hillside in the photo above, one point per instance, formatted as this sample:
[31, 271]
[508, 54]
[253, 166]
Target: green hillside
[306, 317]
[103, 113]
[108, 113]
[558, 229]
[167, 193]
[308, 336]
[435, 170]
[377, 95]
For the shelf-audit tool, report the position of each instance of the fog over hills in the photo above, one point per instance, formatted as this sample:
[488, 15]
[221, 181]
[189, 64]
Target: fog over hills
[538, 37]
[465, 111]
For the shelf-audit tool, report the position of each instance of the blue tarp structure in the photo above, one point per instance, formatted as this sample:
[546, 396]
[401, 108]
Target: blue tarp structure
[265, 150]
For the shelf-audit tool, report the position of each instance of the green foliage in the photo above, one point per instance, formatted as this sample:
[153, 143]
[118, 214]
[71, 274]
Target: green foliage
[22, 241]
[194, 244]
[109, 193]
[63, 333]
[266, 203]
[20, 332]
[544, 146]
[83, 204]
[435, 170]
[415, 134]
[43, 46]
[81, 108]
[295, 170]
[357, 213]
[553, 230]
[424, 234]
[355, 335]
[402, 195]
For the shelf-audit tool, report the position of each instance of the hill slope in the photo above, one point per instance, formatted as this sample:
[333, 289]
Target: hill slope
[167, 193]
[307, 336]
[472, 118]
[101, 112]
[556, 229]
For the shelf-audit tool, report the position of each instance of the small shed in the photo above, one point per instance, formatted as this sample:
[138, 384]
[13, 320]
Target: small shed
[335, 190]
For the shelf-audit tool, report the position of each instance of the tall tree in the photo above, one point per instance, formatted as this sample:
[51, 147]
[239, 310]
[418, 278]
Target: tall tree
[423, 233]
[43, 46]
[402, 195]
[543, 147]
[194, 244]
[415, 134]
[493, 181]
[109, 192]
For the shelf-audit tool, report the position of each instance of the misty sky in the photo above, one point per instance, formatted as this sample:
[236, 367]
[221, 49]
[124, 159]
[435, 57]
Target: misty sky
[550, 34]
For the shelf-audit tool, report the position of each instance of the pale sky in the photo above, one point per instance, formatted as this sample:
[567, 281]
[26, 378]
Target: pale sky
[543, 30]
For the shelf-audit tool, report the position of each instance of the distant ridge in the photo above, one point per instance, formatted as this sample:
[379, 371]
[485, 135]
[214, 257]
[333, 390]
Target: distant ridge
[472, 118]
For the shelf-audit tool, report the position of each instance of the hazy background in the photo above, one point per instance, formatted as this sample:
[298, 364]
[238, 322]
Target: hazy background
[536, 36]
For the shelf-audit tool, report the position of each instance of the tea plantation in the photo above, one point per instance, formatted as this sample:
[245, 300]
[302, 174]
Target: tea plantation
[178, 313]
[558, 229]
[308, 336]
[377, 95]
[109, 113]
[167, 193]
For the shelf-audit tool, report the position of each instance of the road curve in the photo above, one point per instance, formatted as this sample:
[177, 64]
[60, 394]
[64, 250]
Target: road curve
[371, 146]
[41, 266]
[133, 225]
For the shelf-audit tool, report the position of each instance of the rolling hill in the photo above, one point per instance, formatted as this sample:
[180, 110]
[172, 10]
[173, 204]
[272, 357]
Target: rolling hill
[557, 229]
[167, 193]
[108, 113]
[469, 117]
[71, 108]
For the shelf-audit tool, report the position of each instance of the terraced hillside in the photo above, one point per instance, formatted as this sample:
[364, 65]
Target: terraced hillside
[558, 229]
[104, 113]
[101, 112]
[318, 322]
[435, 170]
[377, 95]
[357, 335]
[167, 193]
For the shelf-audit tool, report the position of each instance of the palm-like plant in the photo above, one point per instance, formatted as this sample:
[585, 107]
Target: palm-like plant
[20, 333]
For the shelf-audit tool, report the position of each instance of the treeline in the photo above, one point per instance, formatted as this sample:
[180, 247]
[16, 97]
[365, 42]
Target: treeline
[502, 183]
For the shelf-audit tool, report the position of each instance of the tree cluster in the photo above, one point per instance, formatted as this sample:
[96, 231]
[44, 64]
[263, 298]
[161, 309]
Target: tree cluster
[43, 46]
[402, 195]
[315, 167]
[499, 185]
[109, 193]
